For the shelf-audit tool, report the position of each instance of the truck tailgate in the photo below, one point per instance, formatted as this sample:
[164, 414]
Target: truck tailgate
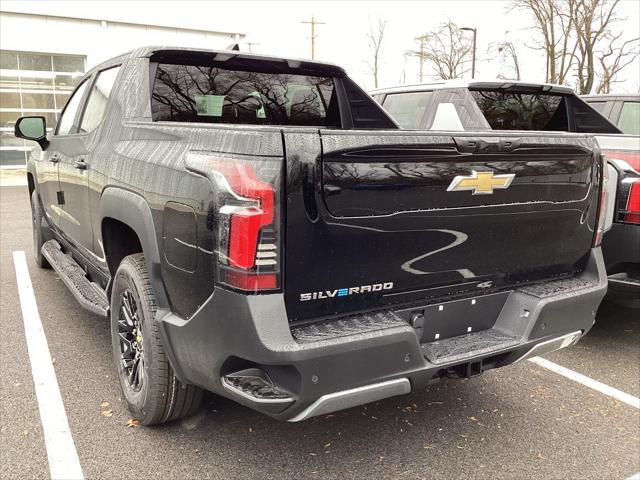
[391, 217]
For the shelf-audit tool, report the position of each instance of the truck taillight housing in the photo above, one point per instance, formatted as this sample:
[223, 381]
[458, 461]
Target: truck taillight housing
[246, 220]
[632, 212]
[631, 157]
[602, 204]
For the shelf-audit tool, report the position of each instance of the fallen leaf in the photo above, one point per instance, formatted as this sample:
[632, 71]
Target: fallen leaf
[540, 457]
[327, 445]
[132, 422]
[429, 446]
[106, 413]
[104, 404]
[473, 419]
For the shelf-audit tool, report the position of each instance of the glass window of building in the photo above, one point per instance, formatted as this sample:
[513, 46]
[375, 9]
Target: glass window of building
[33, 84]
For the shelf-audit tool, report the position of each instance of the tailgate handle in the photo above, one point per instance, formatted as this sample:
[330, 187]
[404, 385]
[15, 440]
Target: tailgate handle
[485, 145]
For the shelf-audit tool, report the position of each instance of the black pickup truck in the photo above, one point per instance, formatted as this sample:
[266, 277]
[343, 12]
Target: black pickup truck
[259, 227]
[510, 105]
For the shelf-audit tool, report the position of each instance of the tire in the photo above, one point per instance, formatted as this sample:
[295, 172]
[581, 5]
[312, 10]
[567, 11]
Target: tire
[38, 238]
[149, 385]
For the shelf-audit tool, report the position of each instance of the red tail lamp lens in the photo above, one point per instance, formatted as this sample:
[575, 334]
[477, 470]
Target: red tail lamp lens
[246, 220]
[632, 214]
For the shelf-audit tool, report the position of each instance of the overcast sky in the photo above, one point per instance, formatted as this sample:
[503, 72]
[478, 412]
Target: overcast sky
[277, 28]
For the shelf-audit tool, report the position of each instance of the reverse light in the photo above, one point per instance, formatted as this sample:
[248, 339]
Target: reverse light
[632, 212]
[245, 220]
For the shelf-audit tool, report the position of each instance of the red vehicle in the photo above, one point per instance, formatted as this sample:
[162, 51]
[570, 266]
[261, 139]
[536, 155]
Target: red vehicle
[621, 245]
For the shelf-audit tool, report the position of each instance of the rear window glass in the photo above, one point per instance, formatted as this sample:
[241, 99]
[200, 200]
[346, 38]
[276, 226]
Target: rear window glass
[207, 94]
[522, 111]
[408, 109]
[629, 121]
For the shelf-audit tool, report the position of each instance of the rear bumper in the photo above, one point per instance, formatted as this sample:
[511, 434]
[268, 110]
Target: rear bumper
[350, 362]
[621, 252]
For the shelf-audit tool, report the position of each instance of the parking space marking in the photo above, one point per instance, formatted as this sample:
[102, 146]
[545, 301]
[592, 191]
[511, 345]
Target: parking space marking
[634, 477]
[589, 382]
[61, 451]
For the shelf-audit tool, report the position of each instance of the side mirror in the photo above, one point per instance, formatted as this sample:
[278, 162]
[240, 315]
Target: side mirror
[32, 128]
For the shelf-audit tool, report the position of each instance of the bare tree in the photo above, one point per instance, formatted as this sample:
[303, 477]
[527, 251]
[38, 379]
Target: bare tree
[376, 36]
[554, 22]
[592, 20]
[578, 38]
[508, 54]
[445, 49]
[613, 59]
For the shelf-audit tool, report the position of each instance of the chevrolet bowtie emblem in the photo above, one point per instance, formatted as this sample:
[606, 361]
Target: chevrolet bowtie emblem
[482, 183]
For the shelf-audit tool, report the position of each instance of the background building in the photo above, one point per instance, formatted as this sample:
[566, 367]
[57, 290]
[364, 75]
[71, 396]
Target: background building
[43, 56]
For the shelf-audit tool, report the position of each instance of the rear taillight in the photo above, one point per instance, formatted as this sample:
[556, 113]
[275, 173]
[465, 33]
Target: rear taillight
[632, 212]
[602, 205]
[246, 220]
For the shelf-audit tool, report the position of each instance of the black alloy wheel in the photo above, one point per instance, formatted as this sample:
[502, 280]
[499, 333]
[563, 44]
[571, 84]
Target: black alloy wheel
[131, 341]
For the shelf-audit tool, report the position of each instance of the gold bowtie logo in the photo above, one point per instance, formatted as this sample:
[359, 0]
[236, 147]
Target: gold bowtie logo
[482, 183]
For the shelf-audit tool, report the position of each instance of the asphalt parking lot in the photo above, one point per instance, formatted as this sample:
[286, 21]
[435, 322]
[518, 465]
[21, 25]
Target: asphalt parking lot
[523, 421]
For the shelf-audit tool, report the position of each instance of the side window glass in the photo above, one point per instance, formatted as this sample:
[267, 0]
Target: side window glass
[97, 102]
[629, 121]
[407, 108]
[65, 124]
[597, 106]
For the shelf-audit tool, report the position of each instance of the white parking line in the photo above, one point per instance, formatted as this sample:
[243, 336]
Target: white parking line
[634, 477]
[61, 451]
[589, 382]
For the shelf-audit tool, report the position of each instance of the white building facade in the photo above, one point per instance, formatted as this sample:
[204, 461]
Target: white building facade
[42, 57]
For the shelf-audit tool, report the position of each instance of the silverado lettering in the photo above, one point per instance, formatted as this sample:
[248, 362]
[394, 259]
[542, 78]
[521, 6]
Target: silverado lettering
[344, 292]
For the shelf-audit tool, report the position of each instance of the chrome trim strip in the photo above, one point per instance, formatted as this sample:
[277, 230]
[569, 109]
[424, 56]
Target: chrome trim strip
[552, 345]
[251, 398]
[356, 396]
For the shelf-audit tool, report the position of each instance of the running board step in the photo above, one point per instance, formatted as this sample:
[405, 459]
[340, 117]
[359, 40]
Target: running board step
[460, 348]
[89, 295]
[254, 386]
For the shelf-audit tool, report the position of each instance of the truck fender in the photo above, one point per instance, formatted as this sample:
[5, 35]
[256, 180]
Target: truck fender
[133, 210]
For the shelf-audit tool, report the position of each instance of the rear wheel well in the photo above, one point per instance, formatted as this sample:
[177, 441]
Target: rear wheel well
[119, 240]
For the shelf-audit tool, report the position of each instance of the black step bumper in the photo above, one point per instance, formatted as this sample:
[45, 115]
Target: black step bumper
[621, 252]
[358, 360]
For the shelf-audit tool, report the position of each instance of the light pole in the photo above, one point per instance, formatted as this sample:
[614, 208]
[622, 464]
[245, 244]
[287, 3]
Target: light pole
[473, 54]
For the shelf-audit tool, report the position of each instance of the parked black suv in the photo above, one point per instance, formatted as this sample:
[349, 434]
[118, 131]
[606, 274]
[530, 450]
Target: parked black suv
[259, 227]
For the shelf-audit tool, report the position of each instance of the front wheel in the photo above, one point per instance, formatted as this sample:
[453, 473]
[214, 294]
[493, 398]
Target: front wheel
[152, 391]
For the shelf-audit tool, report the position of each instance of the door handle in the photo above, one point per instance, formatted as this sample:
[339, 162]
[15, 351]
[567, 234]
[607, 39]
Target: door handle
[80, 164]
[54, 159]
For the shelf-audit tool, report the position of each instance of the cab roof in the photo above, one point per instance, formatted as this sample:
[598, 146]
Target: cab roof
[499, 84]
[236, 55]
